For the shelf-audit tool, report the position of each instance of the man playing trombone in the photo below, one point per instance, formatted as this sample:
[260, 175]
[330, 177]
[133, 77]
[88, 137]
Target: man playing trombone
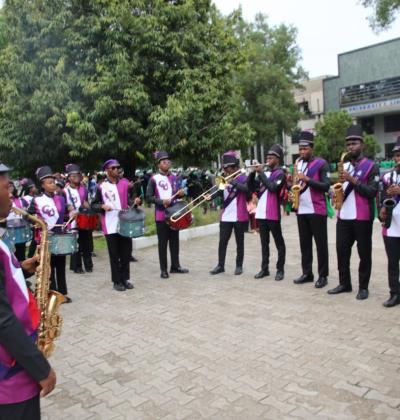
[234, 215]
[268, 186]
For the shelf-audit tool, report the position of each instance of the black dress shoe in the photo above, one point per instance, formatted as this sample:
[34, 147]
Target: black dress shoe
[340, 289]
[238, 271]
[128, 285]
[89, 270]
[179, 270]
[133, 259]
[392, 301]
[304, 278]
[119, 287]
[218, 269]
[321, 282]
[67, 299]
[279, 275]
[261, 274]
[164, 274]
[79, 271]
[362, 294]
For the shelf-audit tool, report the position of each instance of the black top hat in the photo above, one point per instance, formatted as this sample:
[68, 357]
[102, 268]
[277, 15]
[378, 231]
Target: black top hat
[276, 150]
[229, 159]
[354, 132]
[161, 155]
[44, 172]
[396, 147]
[4, 168]
[71, 168]
[306, 139]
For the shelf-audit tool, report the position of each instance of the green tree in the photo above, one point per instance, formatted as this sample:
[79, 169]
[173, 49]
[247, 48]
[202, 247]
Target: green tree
[331, 133]
[3, 39]
[384, 12]
[268, 79]
[85, 80]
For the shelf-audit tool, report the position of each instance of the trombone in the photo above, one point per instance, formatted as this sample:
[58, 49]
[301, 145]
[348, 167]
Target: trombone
[221, 183]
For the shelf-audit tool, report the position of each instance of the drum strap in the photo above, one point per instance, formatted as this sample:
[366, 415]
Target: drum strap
[71, 198]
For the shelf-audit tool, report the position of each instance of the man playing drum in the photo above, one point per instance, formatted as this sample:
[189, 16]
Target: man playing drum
[112, 196]
[161, 189]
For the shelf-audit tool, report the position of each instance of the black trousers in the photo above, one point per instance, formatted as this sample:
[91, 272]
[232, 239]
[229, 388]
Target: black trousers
[273, 226]
[392, 246]
[20, 251]
[225, 232]
[85, 244]
[119, 251]
[32, 246]
[165, 234]
[313, 226]
[58, 280]
[347, 232]
[25, 410]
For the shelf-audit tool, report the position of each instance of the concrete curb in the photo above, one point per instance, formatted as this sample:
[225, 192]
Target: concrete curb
[184, 235]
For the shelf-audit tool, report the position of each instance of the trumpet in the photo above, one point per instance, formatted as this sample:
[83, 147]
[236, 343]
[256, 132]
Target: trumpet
[221, 183]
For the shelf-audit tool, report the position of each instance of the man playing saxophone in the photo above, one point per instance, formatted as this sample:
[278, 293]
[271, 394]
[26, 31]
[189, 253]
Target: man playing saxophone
[390, 216]
[313, 177]
[24, 371]
[355, 218]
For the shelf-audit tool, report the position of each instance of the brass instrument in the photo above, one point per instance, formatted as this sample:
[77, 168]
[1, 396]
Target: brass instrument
[389, 204]
[294, 194]
[221, 183]
[338, 193]
[48, 301]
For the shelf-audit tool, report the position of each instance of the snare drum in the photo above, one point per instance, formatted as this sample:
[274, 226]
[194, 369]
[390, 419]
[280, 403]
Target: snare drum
[63, 243]
[176, 210]
[131, 223]
[86, 220]
[19, 231]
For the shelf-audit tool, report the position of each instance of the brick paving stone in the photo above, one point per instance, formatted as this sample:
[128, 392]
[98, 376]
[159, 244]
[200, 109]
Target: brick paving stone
[226, 347]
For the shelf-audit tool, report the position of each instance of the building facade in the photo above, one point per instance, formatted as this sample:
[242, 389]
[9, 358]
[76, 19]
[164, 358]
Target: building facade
[368, 88]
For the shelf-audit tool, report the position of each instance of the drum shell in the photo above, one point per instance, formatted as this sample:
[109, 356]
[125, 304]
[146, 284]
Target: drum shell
[131, 223]
[63, 243]
[19, 231]
[184, 222]
[86, 221]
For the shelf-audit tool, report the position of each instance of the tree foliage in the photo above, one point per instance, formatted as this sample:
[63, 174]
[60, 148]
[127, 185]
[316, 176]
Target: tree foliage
[331, 133]
[267, 81]
[384, 12]
[85, 80]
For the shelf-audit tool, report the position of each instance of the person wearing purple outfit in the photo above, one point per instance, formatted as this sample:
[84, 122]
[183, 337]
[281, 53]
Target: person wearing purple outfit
[268, 185]
[360, 179]
[52, 208]
[234, 216]
[25, 374]
[112, 196]
[313, 175]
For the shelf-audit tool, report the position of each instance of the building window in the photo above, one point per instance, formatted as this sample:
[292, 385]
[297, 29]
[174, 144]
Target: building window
[368, 125]
[392, 123]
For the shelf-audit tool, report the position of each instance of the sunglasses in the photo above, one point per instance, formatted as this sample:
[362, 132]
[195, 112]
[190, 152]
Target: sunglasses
[114, 167]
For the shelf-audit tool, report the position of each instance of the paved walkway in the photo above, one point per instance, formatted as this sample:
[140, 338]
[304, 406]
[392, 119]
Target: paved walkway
[226, 347]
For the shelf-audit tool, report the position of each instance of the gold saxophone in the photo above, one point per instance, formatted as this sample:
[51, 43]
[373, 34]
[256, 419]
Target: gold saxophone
[294, 194]
[48, 301]
[338, 193]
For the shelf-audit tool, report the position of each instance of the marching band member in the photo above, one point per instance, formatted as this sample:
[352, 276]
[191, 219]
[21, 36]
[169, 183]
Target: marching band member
[77, 197]
[391, 227]
[355, 219]
[234, 216]
[161, 187]
[29, 191]
[20, 249]
[111, 197]
[52, 207]
[268, 186]
[24, 371]
[313, 177]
